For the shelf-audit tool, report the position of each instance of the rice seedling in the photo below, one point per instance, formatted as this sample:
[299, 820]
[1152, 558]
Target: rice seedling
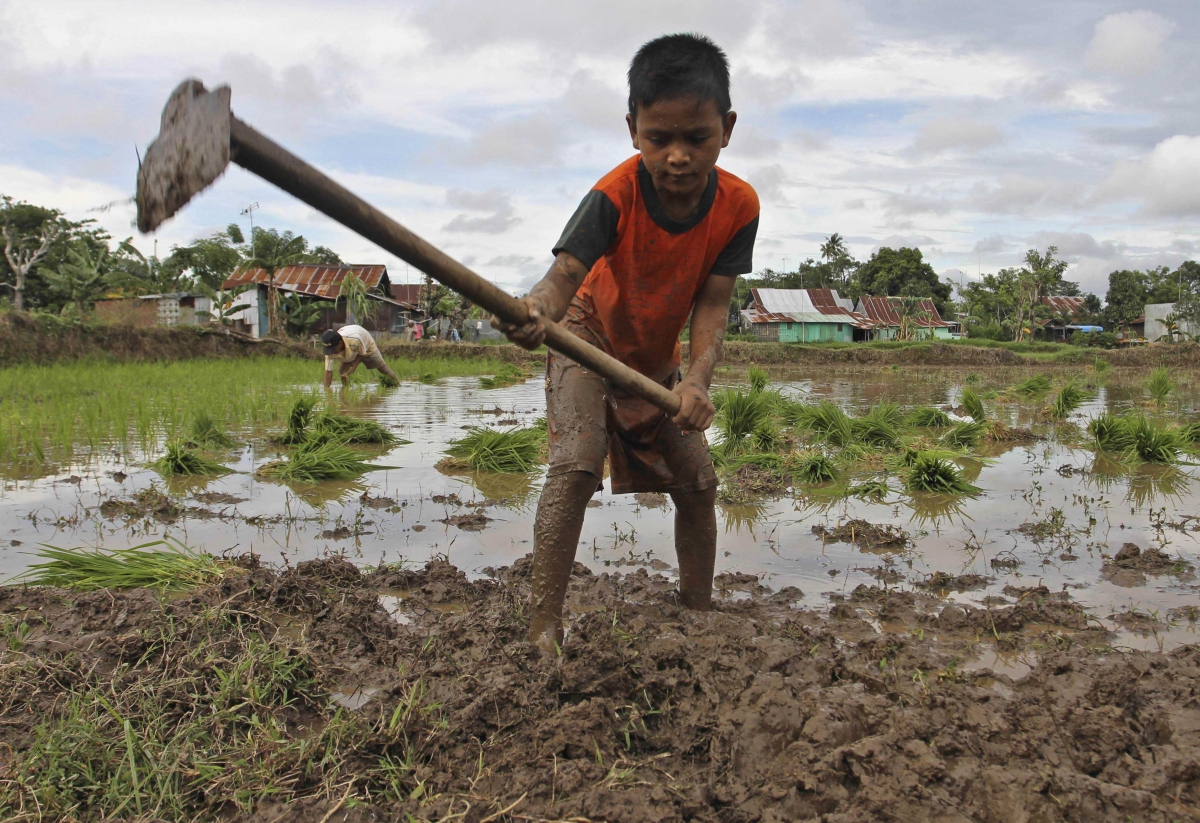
[1101, 366]
[974, 379]
[812, 468]
[766, 437]
[875, 489]
[741, 415]
[827, 421]
[1069, 398]
[312, 462]
[490, 450]
[165, 565]
[297, 420]
[339, 428]
[387, 381]
[762, 460]
[1111, 433]
[928, 417]
[759, 379]
[972, 405]
[181, 460]
[879, 427]
[1153, 443]
[1191, 433]
[932, 474]
[205, 433]
[1160, 385]
[508, 375]
[963, 435]
[1038, 384]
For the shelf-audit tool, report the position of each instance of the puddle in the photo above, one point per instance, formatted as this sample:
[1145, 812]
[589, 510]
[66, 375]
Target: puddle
[393, 604]
[353, 700]
[1081, 509]
[1014, 665]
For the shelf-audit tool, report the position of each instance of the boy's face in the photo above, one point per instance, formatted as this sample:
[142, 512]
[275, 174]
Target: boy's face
[680, 140]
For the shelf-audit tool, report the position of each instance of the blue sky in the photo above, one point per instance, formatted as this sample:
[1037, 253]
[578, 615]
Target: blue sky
[975, 131]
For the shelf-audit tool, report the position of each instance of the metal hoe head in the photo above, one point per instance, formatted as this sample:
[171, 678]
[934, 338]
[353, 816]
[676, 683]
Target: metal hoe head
[189, 154]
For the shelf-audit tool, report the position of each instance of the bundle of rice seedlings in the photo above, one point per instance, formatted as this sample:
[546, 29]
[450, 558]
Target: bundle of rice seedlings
[812, 468]
[297, 422]
[963, 435]
[312, 462]
[1111, 433]
[204, 432]
[758, 379]
[879, 427]
[507, 376]
[973, 379]
[387, 381]
[181, 460]
[490, 450]
[165, 565]
[1191, 433]
[928, 417]
[339, 428]
[873, 489]
[1038, 384]
[741, 415]
[1160, 385]
[972, 405]
[999, 432]
[1153, 443]
[762, 460]
[767, 437]
[929, 473]
[1069, 398]
[827, 421]
[1101, 367]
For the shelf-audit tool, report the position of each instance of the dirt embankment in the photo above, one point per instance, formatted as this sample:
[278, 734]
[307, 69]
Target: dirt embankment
[756, 711]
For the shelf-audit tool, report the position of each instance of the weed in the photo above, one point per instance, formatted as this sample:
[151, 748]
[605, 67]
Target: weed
[489, 450]
[928, 417]
[929, 473]
[972, 405]
[165, 565]
[1160, 385]
[181, 460]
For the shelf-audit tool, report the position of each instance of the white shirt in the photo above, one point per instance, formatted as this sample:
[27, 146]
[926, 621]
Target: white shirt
[359, 343]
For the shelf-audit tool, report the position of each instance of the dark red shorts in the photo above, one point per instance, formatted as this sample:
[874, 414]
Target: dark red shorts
[588, 420]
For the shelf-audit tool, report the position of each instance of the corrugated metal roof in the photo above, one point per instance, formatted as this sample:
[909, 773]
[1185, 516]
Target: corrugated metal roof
[315, 280]
[802, 306]
[1063, 303]
[882, 310]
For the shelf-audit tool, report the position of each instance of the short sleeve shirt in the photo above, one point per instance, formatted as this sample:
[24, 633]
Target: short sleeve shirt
[359, 343]
[646, 269]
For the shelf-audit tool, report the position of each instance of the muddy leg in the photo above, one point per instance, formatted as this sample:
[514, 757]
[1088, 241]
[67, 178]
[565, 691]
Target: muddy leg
[696, 545]
[555, 535]
[386, 369]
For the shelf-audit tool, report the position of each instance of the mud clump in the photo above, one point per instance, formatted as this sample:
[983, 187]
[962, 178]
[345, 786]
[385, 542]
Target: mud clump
[941, 581]
[755, 711]
[219, 499]
[147, 504]
[864, 535]
[473, 522]
[1130, 566]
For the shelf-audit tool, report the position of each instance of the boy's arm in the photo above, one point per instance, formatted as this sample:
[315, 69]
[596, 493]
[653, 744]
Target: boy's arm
[710, 316]
[550, 298]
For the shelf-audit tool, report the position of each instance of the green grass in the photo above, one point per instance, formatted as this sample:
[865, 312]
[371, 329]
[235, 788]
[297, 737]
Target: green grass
[935, 475]
[1191, 433]
[972, 404]
[879, 427]
[963, 436]
[813, 468]
[1137, 438]
[165, 565]
[1111, 433]
[759, 379]
[491, 450]
[313, 462]
[928, 417]
[1034, 386]
[1160, 385]
[741, 415]
[181, 460]
[206, 434]
[507, 375]
[1069, 398]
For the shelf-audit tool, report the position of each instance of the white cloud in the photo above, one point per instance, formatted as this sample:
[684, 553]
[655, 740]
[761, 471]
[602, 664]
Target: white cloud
[1077, 245]
[947, 133]
[1166, 181]
[1128, 43]
[497, 206]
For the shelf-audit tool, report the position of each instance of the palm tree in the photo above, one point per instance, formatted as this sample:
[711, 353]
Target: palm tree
[833, 250]
[137, 273]
[271, 252]
[911, 312]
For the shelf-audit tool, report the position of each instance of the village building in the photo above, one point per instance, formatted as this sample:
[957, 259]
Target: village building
[146, 310]
[1161, 324]
[802, 316]
[1065, 317]
[890, 321]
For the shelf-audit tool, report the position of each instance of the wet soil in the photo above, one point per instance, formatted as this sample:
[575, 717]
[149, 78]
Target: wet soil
[864, 535]
[886, 709]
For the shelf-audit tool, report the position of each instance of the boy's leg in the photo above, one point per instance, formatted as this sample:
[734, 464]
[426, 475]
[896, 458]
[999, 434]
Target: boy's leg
[696, 545]
[555, 535]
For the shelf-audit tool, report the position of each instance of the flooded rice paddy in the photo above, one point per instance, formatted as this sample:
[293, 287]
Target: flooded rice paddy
[1052, 513]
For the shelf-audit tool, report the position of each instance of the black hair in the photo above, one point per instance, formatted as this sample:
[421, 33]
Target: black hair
[679, 65]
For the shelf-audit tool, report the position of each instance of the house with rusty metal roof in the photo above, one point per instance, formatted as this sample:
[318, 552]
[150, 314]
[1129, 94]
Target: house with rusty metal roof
[802, 316]
[319, 282]
[891, 321]
[1065, 316]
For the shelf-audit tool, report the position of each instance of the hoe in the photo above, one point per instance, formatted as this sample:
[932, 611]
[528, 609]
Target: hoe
[198, 139]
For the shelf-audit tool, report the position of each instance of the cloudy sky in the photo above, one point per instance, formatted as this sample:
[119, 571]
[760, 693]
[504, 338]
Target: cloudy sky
[973, 130]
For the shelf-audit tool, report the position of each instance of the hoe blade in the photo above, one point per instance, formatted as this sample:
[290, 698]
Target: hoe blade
[189, 154]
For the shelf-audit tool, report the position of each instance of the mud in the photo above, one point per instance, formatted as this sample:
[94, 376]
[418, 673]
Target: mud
[756, 711]
[1131, 565]
[864, 535]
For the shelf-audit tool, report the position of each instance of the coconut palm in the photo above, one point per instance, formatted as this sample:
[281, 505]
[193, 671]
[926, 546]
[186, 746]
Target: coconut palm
[272, 251]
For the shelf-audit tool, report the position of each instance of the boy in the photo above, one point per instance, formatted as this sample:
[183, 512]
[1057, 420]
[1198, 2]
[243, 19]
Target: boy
[660, 238]
[351, 345]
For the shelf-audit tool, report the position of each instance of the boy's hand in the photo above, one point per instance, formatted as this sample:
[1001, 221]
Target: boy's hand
[531, 334]
[696, 411]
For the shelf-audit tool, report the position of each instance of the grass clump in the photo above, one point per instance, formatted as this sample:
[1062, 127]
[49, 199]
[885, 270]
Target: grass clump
[972, 405]
[928, 417]
[313, 462]
[963, 436]
[813, 468]
[1034, 386]
[742, 417]
[339, 428]
[1160, 385]
[507, 375]
[490, 450]
[205, 433]
[759, 379]
[935, 475]
[1137, 438]
[297, 421]
[181, 460]
[165, 565]
[1069, 398]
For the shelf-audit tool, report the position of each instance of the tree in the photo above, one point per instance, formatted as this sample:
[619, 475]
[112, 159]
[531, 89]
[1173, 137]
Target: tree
[892, 272]
[212, 259]
[838, 260]
[1041, 276]
[911, 313]
[272, 251]
[82, 279]
[1092, 306]
[29, 232]
[358, 304]
[299, 314]
[133, 272]
[1187, 304]
[1126, 298]
[225, 304]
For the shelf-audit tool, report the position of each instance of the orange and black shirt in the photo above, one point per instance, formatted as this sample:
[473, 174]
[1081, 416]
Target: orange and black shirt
[646, 270]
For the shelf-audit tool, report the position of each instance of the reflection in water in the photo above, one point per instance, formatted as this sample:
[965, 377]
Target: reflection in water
[1149, 484]
[932, 509]
[320, 495]
[745, 515]
[969, 468]
[183, 486]
[517, 491]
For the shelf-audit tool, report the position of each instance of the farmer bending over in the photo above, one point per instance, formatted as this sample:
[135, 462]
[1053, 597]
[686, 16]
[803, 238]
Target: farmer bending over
[350, 346]
[661, 238]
